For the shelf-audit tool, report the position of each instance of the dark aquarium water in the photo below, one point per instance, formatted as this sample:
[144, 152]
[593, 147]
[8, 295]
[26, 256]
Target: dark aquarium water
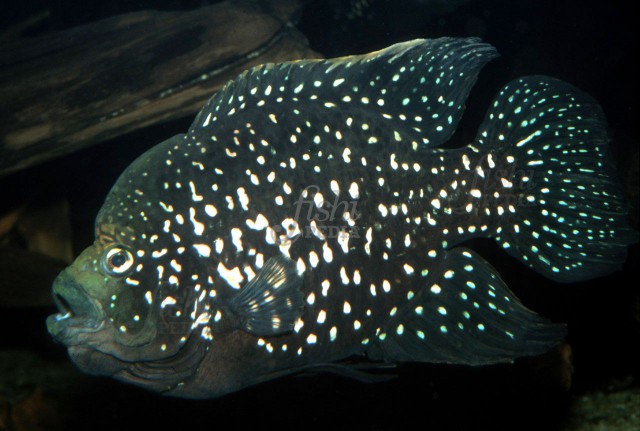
[87, 87]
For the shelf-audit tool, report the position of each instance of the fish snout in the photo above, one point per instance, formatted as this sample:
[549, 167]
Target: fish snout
[78, 313]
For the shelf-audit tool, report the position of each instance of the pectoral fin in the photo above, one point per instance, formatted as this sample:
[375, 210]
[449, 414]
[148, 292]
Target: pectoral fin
[272, 301]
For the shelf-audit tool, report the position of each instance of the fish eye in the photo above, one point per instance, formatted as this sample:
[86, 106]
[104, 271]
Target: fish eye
[117, 261]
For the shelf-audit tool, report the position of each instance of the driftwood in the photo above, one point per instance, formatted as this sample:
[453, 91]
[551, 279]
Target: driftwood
[69, 90]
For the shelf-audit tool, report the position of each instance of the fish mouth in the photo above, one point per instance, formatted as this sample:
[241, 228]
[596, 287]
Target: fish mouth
[79, 315]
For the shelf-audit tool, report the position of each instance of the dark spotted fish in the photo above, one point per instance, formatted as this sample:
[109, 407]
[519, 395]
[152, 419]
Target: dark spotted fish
[308, 217]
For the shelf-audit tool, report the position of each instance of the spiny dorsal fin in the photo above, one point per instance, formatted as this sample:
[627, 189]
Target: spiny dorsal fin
[411, 92]
[271, 302]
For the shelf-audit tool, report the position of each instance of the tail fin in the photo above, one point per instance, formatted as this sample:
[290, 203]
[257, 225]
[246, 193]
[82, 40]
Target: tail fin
[569, 217]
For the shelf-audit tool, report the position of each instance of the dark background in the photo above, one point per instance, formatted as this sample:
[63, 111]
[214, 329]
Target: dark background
[590, 44]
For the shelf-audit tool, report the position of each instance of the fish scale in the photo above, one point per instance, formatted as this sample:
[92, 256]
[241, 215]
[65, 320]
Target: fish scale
[395, 258]
[308, 217]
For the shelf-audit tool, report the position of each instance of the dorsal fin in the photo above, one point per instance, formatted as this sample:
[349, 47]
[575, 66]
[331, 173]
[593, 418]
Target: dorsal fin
[411, 92]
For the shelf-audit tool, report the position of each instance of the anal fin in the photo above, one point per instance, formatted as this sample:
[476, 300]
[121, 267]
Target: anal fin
[464, 314]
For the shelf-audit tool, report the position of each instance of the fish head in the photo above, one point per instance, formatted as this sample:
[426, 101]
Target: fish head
[111, 299]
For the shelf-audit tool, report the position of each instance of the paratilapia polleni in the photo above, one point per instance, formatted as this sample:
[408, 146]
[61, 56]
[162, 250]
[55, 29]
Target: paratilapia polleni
[308, 216]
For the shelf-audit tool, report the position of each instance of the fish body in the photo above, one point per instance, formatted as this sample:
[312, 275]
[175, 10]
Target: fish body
[309, 216]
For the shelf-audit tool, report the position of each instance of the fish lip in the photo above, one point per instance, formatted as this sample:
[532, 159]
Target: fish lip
[79, 315]
[73, 330]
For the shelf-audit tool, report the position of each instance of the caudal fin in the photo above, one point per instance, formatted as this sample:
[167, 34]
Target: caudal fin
[562, 210]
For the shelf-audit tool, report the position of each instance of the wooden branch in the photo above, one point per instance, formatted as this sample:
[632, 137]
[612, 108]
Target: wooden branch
[69, 90]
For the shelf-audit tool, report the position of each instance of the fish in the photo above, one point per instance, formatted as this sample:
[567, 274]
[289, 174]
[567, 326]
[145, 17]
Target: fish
[310, 220]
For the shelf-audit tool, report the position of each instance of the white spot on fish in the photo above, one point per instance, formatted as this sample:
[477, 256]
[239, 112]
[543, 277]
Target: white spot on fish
[232, 276]
[354, 191]
[327, 253]
[335, 188]
[236, 234]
